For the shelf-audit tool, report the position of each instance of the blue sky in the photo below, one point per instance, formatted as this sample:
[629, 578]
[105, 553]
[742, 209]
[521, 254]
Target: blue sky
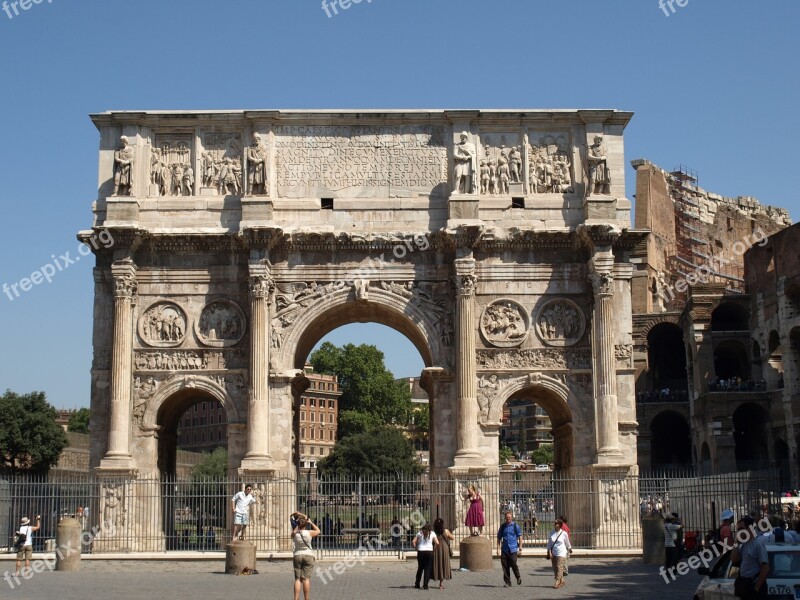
[713, 86]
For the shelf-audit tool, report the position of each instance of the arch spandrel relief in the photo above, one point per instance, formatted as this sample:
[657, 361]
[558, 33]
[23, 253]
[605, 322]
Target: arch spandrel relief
[222, 323]
[163, 325]
[504, 323]
[560, 323]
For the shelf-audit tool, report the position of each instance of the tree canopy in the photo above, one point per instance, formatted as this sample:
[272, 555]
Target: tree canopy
[370, 395]
[214, 465]
[374, 453]
[79, 421]
[30, 438]
[543, 455]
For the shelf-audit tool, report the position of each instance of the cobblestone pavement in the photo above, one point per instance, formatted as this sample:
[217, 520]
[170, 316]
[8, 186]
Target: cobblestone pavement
[135, 580]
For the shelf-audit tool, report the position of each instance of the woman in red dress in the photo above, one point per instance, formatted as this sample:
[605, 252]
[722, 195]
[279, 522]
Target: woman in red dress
[475, 519]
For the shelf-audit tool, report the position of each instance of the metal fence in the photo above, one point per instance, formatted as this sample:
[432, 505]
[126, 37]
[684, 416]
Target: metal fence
[171, 514]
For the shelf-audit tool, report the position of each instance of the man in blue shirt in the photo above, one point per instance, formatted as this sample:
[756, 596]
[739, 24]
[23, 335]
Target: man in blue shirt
[509, 546]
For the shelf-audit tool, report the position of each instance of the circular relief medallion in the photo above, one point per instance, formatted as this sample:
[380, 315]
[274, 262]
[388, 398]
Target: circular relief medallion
[560, 323]
[163, 325]
[504, 323]
[221, 324]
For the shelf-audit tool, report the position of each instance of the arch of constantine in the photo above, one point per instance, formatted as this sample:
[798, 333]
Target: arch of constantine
[498, 242]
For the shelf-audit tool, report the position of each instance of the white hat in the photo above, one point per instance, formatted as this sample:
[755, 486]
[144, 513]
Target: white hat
[726, 514]
[25, 520]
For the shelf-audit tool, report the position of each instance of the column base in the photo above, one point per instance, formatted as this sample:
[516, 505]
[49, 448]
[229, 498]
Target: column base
[262, 463]
[610, 457]
[112, 464]
[468, 458]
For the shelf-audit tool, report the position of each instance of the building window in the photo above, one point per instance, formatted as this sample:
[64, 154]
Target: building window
[312, 450]
[313, 401]
[303, 433]
[330, 435]
[312, 417]
[302, 415]
[303, 401]
[322, 418]
[219, 435]
[311, 431]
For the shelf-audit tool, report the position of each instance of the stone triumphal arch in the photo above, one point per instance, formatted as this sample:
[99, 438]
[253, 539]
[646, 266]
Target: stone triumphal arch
[498, 242]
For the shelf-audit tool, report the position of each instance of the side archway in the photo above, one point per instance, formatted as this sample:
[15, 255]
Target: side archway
[553, 396]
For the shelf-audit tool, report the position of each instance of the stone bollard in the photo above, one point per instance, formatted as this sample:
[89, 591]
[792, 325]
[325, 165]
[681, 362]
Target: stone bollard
[240, 557]
[475, 553]
[68, 545]
[653, 540]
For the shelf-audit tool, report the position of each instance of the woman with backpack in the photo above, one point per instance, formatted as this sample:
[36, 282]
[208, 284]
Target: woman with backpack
[24, 541]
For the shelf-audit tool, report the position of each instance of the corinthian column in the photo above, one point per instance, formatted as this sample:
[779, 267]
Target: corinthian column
[261, 287]
[466, 372]
[605, 365]
[118, 456]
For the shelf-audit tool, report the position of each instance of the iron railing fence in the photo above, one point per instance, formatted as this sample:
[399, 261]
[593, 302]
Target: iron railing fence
[158, 513]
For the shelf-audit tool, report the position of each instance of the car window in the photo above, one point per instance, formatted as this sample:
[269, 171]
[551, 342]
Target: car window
[720, 568]
[784, 564]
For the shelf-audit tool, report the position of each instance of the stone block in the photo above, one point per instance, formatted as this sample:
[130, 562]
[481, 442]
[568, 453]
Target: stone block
[240, 557]
[68, 540]
[463, 207]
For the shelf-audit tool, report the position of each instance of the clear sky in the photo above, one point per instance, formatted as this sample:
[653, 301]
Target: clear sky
[714, 85]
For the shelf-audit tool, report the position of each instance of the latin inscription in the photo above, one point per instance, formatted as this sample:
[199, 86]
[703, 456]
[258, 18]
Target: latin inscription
[359, 161]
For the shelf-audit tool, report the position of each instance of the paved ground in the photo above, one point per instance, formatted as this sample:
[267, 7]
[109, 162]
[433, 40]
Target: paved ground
[130, 580]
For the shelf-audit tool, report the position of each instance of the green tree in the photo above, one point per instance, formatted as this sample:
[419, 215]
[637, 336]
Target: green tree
[543, 455]
[379, 452]
[30, 439]
[368, 387]
[79, 421]
[213, 466]
[506, 454]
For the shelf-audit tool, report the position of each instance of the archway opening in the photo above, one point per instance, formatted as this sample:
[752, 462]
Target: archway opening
[666, 360]
[730, 364]
[670, 441]
[535, 416]
[730, 316]
[750, 437]
[193, 464]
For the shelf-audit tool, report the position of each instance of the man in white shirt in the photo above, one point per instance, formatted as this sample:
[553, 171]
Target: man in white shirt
[26, 550]
[241, 511]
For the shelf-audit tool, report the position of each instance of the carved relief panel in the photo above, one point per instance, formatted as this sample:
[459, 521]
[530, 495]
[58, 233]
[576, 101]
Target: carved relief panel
[221, 323]
[221, 163]
[171, 170]
[501, 164]
[560, 322]
[550, 163]
[504, 323]
[163, 325]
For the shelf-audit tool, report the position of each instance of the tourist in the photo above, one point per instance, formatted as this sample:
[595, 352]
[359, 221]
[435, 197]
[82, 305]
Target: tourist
[565, 529]
[558, 549]
[241, 511]
[424, 543]
[509, 547]
[25, 550]
[303, 554]
[475, 519]
[396, 531]
[751, 557]
[671, 527]
[441, 553]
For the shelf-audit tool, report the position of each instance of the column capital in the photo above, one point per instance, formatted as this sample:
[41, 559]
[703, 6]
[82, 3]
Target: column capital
[602, 284]
[465, 279]
[124, 274]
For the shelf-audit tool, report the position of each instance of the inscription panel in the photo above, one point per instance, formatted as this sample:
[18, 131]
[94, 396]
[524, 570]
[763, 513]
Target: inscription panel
[359, 161]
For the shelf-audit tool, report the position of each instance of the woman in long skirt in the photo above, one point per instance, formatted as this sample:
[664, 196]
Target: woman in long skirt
[441, 553]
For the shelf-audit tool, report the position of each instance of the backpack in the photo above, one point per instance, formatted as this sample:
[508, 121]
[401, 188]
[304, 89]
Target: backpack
[19, 540]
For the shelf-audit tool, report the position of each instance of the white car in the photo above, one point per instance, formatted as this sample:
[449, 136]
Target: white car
[783, 581]
[542, 468]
